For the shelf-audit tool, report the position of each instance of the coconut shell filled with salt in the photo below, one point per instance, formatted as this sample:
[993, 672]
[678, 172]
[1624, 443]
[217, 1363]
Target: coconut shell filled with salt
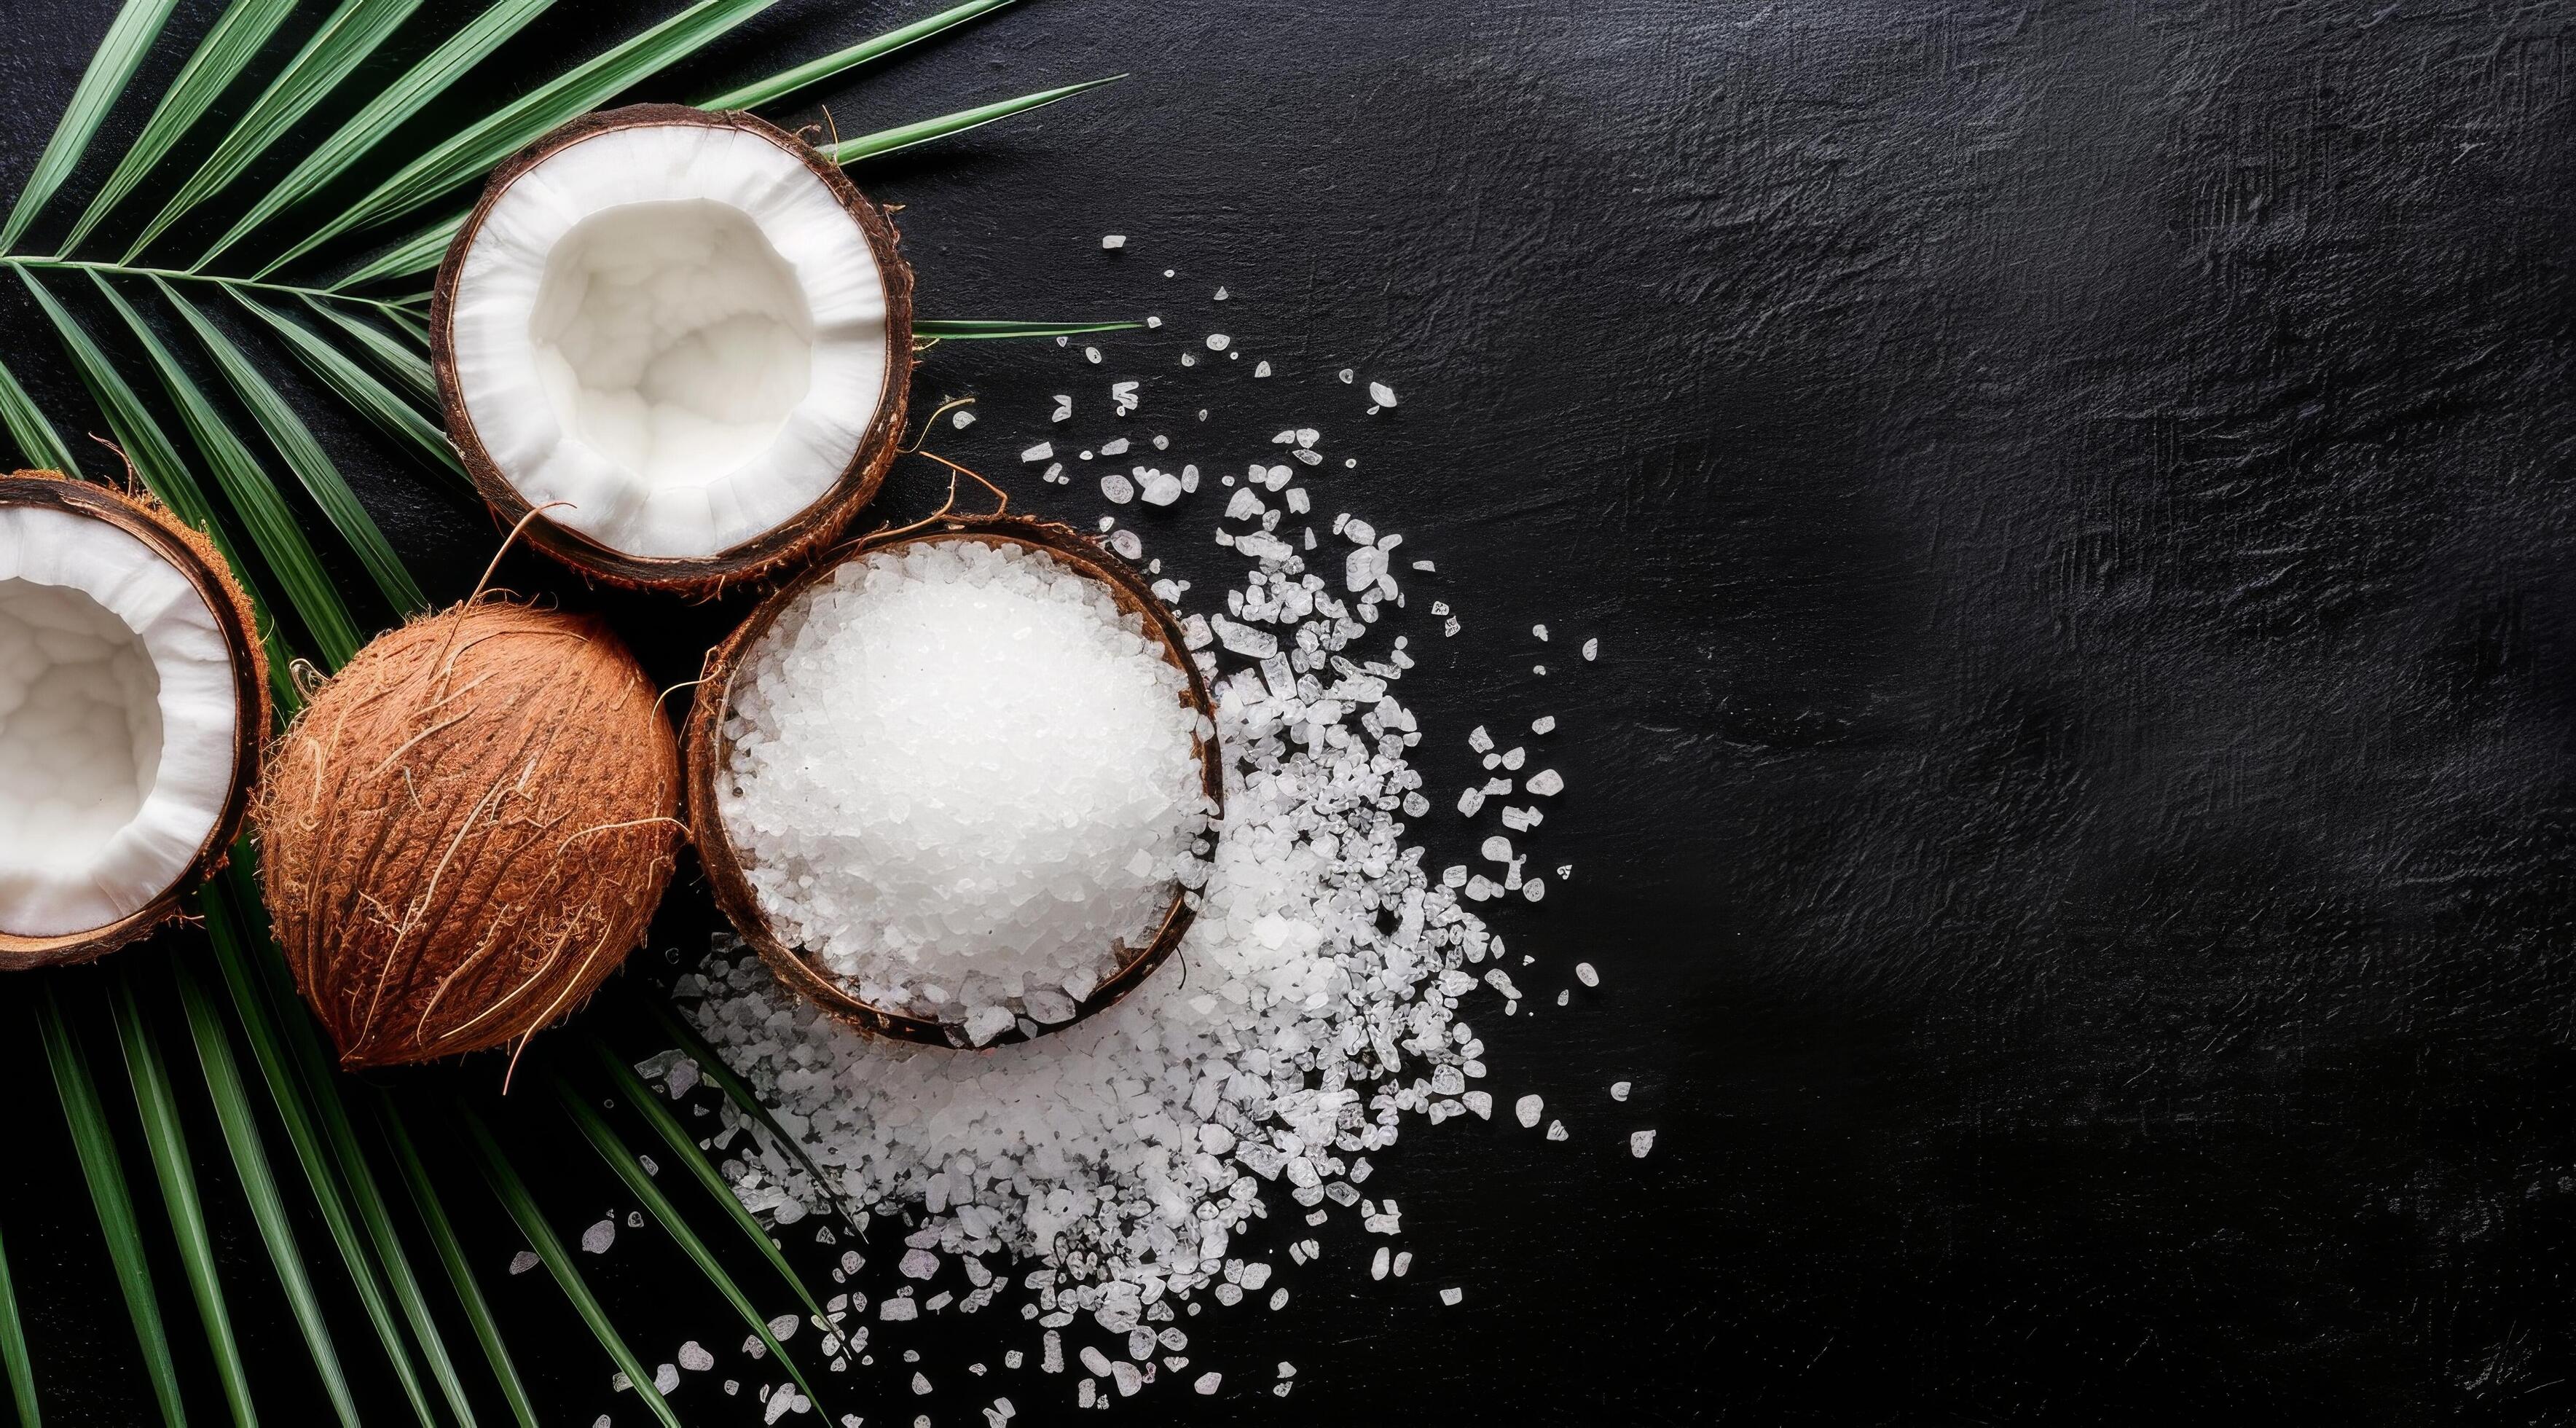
[467, 830]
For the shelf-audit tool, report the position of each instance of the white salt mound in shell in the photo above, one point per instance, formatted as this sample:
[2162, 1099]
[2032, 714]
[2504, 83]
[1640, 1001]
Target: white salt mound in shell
[963, 782]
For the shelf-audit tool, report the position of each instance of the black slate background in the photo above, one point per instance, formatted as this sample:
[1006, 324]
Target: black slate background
[2074, 809]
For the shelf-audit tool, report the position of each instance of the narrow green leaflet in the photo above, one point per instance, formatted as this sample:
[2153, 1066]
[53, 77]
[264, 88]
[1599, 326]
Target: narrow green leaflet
[815, 71]
[399, 101]
[304, 456]
[371, 398]
[347, 37]
[711, 1064]
[158, 1107]
[684, 1148]
[976, 329]
[418, 253]
[39, 445]
[96, 1147]
[128, 40]
[407, 365]
[451, 1253]
[887, 141]
[15, 1362]
[229, 929]
[603, 1138]
[219, 59]
[470, 154]
[259, 1182]
[514, 1197]
[255, 498]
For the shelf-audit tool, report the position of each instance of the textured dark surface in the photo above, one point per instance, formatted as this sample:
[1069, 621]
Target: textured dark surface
[2074, 809]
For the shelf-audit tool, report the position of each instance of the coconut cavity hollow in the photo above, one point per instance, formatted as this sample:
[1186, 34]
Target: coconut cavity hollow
[687, 329]
[131, 702]
[963, 782]
[467, 830]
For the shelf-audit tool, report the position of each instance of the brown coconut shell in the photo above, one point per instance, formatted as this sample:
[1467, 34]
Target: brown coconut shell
[195, 557]
[781, 546]
[707, 750]
[467, 829]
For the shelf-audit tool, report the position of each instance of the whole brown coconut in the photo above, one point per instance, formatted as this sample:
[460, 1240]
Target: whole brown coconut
[467, 830]
[195, 557]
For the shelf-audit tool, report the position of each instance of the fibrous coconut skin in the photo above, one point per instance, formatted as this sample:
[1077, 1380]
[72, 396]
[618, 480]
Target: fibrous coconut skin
[707, 755]
[40, 938]
[666, 425]
[467, 830]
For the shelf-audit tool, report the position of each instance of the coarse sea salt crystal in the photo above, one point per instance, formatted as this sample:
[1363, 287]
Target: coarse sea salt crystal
[1640, 1142]
[1591, 649]
[1546, 783]
[963, 418]
[1543, 724]
[1618, 1090]
[1584, 973]
[1527, 1108]
[1040, 452]
[1452, 1296]
[1218, 342]
[599, 1237]
[524, 1261]
[1382, 394]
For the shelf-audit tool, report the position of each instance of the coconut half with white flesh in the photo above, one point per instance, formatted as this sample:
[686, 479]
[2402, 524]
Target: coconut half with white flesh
[684, 337]
[133, 701]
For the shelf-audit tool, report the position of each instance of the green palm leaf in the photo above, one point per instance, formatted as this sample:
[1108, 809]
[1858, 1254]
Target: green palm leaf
[408, 365]
[346, 39]
[451, 1253]
[259, 1182]
[470, 154]
[15, 1363]
[367, 396]
[603, 1138]
[786, 82]
[905, 136]
[228, 928]
[95, 1147]
[37, 441]
[400, 100]
[514, 1197]
[273, 531]
[304, 456]
[128, 40]
[684, 1148]
[218, 61]
[175, 1169]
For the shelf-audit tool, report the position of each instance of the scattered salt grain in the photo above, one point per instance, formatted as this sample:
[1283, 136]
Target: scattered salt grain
[1640, 1143]
[1117, 488]
[1208, 1382]
[1382, 394]
[1451, 1296]
[1540, 631]
[1618, 1090]
[1556, 1130]
[1261, 371]
[523, 1261]
[695, 1358]
[1546, 783]
[1543, 724]
[599, 1237]
[1091, 354]
[1218, 342]
[1584, 973]
[962, 418]
[1528, 1109]
[1591, 649]
[1063, 407]
[1114, 240]
[1040, 452]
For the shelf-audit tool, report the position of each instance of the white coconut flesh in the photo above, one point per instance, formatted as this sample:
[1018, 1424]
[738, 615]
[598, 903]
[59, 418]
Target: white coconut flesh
[675, 329]
[117, 723]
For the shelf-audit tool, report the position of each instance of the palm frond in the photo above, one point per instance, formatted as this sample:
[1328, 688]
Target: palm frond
[16, 1364]
[240, 1128]
[219, 60]
[451, 1253]
[399, 101]
[711, 1064]
[347, 37]
[129, 39]
[95, 1147]
[469, 154]
[304, 456]
[364, 394]
[621, 1160]
[684, 1148]
[231, 933]
[408, 365]
[254, 498]
[522, 1208]
[905, 136]
[38, 443]
[158, 1107]
[785, 82]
